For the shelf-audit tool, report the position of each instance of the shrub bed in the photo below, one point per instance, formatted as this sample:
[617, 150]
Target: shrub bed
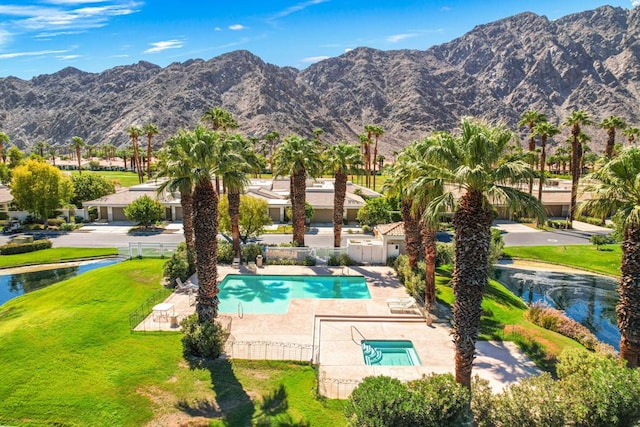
[21, 248]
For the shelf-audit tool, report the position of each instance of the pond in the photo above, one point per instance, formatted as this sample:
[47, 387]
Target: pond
[586, 298]
[13, 285]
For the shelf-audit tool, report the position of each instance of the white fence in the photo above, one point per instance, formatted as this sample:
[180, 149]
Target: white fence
[148, 250]
[268, 350]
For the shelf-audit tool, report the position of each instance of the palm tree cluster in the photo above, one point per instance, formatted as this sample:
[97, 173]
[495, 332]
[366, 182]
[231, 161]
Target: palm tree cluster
[149, 130]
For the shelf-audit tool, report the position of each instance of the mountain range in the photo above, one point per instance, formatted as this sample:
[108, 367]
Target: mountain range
[588, 60]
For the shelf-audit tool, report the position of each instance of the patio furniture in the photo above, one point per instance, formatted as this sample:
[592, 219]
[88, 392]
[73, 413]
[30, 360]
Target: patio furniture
[185, 287]
[251, 266]
[402, 305]
[161, 312]
[236, 263]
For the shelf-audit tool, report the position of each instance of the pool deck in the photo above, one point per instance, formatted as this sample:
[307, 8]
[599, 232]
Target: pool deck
[328, 332]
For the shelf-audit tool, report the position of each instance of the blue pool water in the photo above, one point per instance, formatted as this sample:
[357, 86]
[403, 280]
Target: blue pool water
[270, 294]
[389, 353]
[13, 285]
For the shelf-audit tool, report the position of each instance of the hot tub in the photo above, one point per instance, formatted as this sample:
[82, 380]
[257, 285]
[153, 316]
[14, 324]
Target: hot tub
[389, 353]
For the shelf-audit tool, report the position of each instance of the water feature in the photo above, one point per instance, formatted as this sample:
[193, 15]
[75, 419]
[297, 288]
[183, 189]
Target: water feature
[389, 353]
[586, 298]
[13, 285]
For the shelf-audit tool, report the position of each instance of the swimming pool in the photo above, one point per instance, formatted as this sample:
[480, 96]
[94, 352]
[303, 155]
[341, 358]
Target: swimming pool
[389, 353]
[270, 294]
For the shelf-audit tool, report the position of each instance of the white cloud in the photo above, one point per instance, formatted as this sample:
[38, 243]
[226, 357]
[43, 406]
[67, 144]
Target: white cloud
[34, 53]
[5, 37]
[298, 7]
[312, 59]
[217, 29]
[399, 37]
[58, 33]
[445, 9]
[635, 3]
[349, 49]
[67, 57]
[73, 2]
[237, 27]
[164, 45]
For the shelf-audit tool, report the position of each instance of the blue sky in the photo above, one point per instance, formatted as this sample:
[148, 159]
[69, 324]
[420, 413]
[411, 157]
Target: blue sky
[44, 36]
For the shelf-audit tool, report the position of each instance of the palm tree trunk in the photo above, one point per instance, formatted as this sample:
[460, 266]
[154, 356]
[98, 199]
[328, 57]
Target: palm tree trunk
[205, 227]
[340, 191]
[429, 243]
[575, 174]
[611, 141]
[532, 148]
[297, 211]
[543, 159]
[234, 215]
[628, 308]
[186, 201]
[149, 158]
[79, 160]
[472, 223]
[411, 233]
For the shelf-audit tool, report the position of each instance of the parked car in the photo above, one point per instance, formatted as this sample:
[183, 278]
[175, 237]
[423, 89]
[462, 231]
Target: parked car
[12, 226]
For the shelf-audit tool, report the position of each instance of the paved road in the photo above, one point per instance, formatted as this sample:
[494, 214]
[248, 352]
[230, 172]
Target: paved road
[321, 237]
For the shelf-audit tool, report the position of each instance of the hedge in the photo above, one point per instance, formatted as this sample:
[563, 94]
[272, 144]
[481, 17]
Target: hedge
[21, 248]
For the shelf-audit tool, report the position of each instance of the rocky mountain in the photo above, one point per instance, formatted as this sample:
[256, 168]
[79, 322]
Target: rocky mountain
[589, 60]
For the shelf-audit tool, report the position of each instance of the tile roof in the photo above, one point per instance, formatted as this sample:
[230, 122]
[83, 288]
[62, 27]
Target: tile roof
[393, 229]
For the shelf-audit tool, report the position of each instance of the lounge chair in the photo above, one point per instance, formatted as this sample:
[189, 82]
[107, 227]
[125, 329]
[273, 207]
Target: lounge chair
[185, 287]
[402, 305]
[236, 263]
[251, 266]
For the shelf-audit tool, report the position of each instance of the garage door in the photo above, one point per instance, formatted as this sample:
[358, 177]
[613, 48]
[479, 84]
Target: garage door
[118, 214]
[322, 216]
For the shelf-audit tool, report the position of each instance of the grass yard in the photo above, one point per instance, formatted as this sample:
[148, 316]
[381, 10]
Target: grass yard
[586, 257]
[124, 179]
[54, 255]
[68, 358]
[503, 319]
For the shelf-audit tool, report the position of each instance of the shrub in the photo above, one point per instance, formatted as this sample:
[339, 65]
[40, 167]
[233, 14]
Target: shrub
[600, 240]
[366, 229]
[309, 261]
[21, 248]
[68, 226]
[177, 266]
[225, 253]
[444, 253]
[341, 259]
[434, 400]
[56, 222]
[555, 320]
[144, 210]
[251, 251]
[201, 339]
[591, 220]
[558, 224]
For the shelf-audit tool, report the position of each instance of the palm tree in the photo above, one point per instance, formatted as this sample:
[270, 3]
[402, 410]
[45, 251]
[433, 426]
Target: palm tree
[376, 132]
[219, 119]
[631, 133]
[134, 133]
[544, 130]
[53, 151]
[340, 160]
[271, 139]
[78, 144]
[176, 164]
[205, 148]
[150, 130]
[529, 119]
[236, 159]
[297, 157]
[365, 145]
[577, 119]
[41, 146]
[4, 140]
[611, 123]
[474, 164]
[615, 188]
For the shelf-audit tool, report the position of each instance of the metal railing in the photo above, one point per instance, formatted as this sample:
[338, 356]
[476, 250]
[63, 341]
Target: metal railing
[296, 254]
[139, 314]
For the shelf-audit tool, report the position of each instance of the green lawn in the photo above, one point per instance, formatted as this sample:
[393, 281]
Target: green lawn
[68, 358]
[124, 179]
[587, 257]
[54, 255]
[503, 319]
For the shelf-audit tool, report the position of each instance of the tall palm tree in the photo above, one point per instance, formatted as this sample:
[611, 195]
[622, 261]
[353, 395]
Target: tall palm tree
[236, 159]
[205, 148]
[365, 145]
[4, 140]
[544, 130]
[612, 123]
[631, 133]
[340, 160]
[219, 119]
[78, 144]
[529, 119]
[176, 164]
[474, 164]
[271, 138]
[134, 133]
[576, 120]
[41, 147]
[150, 130]
[615, 188]
[297, 157]
[377, 131]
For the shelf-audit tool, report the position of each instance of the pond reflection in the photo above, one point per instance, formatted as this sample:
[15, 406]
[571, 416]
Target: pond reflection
[13, 285]
[586, 298]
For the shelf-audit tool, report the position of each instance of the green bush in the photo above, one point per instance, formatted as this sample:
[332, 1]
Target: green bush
[21, 248]
[444, 253]
[309, 261]
[144, 210]
[591, 220]
[591, 390]
[68, 226]
[201, 339]
[558, 224]
[251, 251]
[600, 240]
[434, 400]
[177, 266]
[342, 259]
[366, 229]
[225, 253]
[56, 222]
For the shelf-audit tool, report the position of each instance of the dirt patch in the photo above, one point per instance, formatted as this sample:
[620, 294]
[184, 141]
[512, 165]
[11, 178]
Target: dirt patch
[169, 411]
